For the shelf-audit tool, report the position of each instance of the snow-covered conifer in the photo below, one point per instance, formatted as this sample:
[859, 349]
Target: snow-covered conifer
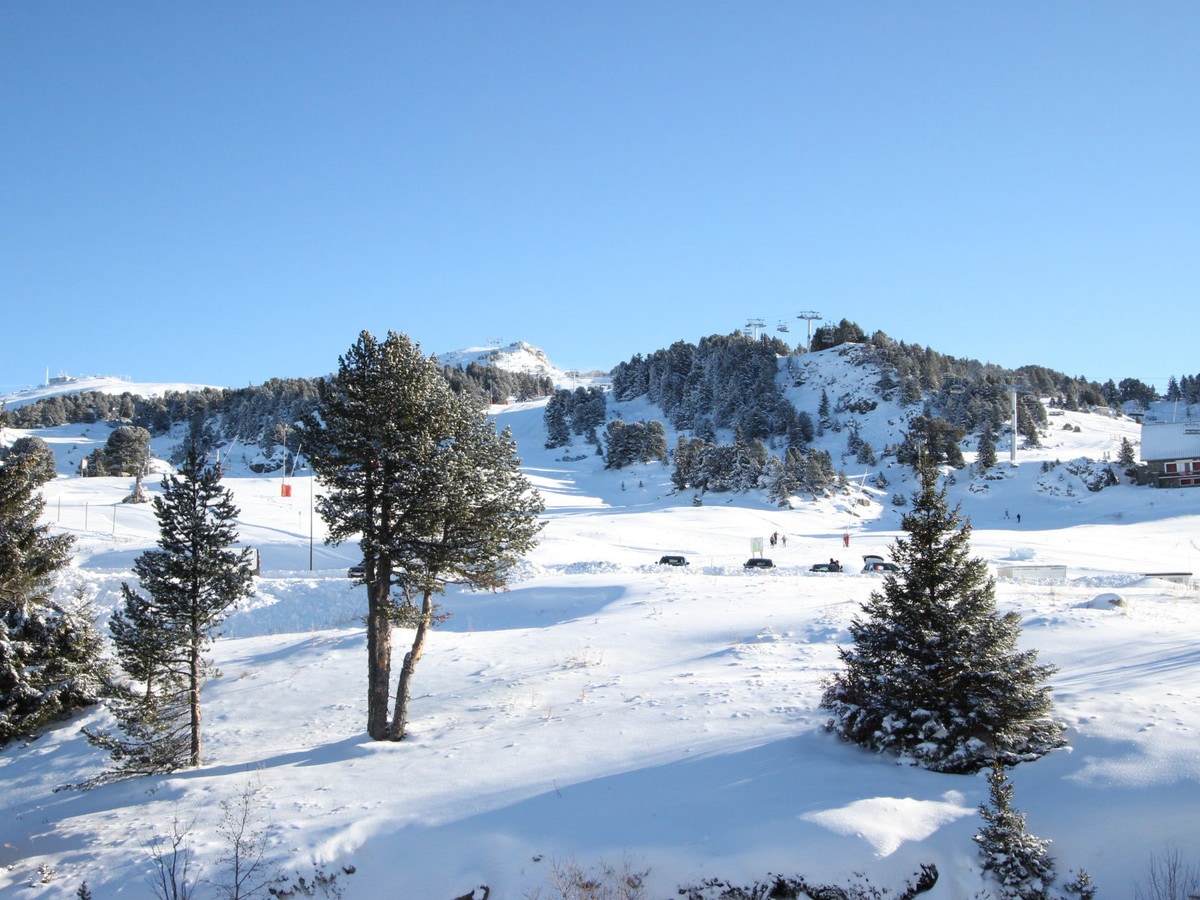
[431, 491]
[934, 672]
[555, 418]
[190, 582]
[1019, 861]
[985, 457]
[50, 652]
[42, 467]
[1128, 454]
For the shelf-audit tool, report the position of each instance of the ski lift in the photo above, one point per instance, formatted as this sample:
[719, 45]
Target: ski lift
[783, 327]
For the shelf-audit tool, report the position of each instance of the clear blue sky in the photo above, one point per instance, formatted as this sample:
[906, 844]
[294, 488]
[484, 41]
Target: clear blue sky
[224, 192]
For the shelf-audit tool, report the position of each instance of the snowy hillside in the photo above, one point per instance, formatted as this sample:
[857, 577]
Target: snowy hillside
[515, 357]
[607, 709]
[103, 384]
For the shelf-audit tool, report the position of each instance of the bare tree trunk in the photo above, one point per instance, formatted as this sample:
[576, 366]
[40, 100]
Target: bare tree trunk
[194, 667]
[411, 658]
[379, 658]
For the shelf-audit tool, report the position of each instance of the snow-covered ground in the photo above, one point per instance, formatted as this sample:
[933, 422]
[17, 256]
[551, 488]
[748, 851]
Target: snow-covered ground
[101, 384]
[606, 708]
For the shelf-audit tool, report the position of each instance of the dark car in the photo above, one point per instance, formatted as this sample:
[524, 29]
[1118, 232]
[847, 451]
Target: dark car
[671, 560]
[825, 567]
[758, 562]
[359, 572]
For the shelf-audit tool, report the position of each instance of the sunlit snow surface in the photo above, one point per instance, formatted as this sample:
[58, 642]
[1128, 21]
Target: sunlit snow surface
[608, 708]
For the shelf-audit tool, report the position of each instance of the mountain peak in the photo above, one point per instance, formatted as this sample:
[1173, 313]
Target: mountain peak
[518, 356]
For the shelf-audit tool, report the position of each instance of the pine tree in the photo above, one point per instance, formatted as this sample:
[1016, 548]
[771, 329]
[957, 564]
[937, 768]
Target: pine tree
[1019, 861]
[818, 472]
[1081, 886]
[43, 466]
[985, 457]
[191, 581]
[126, 450]
[934, 672]
[50, 652]
[434, 494]
[619, 450]
[781, 483]
[1127, 455]
[749, 460]
[800, 431]
[681, 473]
[854, 441]
[555, 417]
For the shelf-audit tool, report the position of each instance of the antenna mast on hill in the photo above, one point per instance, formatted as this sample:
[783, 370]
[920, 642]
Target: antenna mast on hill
[810, 316]
[494, 343]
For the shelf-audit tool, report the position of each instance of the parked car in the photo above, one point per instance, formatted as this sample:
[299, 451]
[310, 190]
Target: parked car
[359, 572]
[826, 567]
[873, 562]
[672, 560]
[758, 562]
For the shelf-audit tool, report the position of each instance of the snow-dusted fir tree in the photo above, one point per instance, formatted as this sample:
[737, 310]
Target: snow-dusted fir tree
[190, 583]
[1019, 861]
[432, 492]
[934, 673]
[555, 418]
[1127, 455]
[44, 467]
[50, 652]
[153, 725]
[985, 457]
[817, 472]
[781, 484]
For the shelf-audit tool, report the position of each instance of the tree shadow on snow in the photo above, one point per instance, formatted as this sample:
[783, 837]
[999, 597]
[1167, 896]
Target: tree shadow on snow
[528, 607]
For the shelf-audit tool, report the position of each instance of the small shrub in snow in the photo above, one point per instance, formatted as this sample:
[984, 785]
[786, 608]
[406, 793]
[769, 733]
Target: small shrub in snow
[569, 880]
[1169, 877]
[778, 887]
[1016, 859]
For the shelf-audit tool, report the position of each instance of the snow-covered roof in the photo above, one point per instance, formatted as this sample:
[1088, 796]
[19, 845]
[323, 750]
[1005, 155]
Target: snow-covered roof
[1171, 440]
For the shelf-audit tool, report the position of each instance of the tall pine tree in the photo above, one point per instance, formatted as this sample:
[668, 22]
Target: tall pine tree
[986, 456]
[934, 672]
[431, 491]
[190, 582]
[50, 652]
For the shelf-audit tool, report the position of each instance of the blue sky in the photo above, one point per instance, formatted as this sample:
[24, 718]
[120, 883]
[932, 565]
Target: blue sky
[227, 192]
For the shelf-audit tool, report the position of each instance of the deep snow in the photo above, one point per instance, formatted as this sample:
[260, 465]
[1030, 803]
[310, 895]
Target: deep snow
[606, 708]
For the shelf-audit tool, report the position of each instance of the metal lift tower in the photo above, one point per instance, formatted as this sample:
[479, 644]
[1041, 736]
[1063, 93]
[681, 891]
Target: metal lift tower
[810, 316]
